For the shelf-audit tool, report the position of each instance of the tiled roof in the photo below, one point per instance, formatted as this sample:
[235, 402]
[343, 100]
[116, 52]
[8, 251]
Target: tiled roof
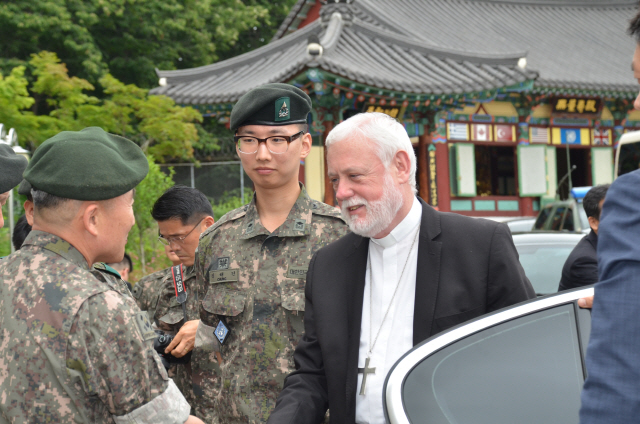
[354, 49]
[580, 44]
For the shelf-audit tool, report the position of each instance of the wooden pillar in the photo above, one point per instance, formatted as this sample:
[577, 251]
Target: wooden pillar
[526, 206]
[444, 185]
[423, 168]
[329, 195]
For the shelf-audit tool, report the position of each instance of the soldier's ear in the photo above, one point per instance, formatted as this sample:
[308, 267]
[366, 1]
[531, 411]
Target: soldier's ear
[90, 218]
[207, 222]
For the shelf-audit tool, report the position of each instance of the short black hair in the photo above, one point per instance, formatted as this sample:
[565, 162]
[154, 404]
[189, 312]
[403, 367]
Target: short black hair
[126, 262]
[20, 232]
[591, 201]
[634, 27]
[182, 202]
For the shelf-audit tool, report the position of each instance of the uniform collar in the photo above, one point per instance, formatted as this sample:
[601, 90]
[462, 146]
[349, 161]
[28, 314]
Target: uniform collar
[56, 245]
[297, 223]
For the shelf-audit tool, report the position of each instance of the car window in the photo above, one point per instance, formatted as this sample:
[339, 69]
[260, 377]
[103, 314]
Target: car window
[528, 370]
[542, 218]
[568, 224]
[556, 219]
[542, 264]
[584, 221]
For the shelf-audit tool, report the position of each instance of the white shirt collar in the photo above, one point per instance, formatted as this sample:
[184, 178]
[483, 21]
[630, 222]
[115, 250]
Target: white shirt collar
[404, 228]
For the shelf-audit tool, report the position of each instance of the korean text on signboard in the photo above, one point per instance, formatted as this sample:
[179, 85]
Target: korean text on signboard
[575, 105]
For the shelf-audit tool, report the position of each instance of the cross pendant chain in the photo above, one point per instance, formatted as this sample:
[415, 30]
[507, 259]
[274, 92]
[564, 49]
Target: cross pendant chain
[365, 371]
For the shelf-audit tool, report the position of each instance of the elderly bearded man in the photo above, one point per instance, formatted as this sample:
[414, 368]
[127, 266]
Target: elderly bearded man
[406, 273]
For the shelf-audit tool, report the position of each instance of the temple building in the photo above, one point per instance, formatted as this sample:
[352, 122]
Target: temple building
[501, 97]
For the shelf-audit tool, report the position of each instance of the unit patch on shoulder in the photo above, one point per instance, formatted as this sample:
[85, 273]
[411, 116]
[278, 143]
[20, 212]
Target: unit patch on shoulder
[136, 291]
[144, 325]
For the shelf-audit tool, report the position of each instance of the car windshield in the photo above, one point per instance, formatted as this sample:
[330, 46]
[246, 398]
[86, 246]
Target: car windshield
[583, 216]
[543, 264]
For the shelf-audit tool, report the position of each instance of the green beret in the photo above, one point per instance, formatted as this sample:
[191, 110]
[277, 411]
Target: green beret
[271, 104]
[24, 188]
[11, 168]
[87, 165]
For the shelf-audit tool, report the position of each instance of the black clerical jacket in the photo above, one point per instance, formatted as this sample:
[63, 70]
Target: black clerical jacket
[466, 267]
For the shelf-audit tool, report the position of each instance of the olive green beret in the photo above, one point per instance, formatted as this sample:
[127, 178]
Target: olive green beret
[87, 165]
[271, 104]
[24, 188]
[11, 168]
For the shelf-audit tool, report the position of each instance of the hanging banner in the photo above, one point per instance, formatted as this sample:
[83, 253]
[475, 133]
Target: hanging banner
[433, 187]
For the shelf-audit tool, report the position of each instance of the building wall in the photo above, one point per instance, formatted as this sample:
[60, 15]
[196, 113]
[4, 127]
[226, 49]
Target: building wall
[314, 173]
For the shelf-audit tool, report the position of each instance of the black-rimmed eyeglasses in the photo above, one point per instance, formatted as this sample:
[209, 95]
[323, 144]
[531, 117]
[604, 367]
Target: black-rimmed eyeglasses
[276, 144]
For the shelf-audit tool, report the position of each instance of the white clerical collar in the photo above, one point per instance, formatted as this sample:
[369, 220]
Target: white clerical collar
[404, 228]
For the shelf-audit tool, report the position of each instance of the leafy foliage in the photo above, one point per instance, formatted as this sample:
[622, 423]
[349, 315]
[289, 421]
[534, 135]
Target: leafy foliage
[162, 128]
[128, 38]
[143, 238]
[231, 201]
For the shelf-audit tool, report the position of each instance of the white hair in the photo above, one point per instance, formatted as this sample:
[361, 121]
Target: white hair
[388, 134]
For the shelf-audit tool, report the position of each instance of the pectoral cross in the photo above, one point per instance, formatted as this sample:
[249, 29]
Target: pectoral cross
[366, 370]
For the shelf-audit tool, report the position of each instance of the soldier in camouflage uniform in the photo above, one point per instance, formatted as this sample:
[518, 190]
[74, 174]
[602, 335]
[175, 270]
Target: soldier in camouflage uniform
[11, 168]
[74, 345]
[147, 290]
[182, 214]
[251, 265]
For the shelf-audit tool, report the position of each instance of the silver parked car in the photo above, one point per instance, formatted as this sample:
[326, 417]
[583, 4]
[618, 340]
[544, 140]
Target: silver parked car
[523, 364]
[542, 255]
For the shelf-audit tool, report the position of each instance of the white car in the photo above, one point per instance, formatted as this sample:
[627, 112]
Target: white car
[523, 364]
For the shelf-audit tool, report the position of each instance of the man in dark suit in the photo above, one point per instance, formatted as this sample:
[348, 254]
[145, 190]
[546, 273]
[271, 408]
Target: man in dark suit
[406, 273]
[581, 267]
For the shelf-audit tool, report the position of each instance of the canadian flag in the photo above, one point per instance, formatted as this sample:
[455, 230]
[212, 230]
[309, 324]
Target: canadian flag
[481, 132]
[504, 133]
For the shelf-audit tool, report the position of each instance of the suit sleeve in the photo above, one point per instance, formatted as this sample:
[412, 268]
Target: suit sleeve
[507, 282]
[584, 271]
[304, 397]
[611, 389]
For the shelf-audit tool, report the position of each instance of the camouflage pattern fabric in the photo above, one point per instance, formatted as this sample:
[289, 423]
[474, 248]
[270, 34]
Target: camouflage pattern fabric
[103, 271]
[147, 290]
[53, 368]
[169, 317]
[254, 281]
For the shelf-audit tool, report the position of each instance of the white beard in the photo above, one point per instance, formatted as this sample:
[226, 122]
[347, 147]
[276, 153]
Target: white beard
[379, 213]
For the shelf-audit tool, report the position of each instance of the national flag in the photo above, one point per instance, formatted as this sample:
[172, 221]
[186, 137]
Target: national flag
[570, 136]
[538, 135]
[481, 132]
[457, 131]
[505, 133]
[601, 137]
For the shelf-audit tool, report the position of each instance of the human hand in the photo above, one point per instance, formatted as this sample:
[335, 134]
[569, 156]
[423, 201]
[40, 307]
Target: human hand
[586, 302]
[184, 341]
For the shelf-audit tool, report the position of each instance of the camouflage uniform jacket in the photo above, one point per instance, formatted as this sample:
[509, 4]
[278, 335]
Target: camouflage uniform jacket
[53, 368]
[169, 317]
[254, 281]
[147, 290]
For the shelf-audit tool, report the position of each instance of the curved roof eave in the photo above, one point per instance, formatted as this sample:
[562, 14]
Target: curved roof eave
[184, 75]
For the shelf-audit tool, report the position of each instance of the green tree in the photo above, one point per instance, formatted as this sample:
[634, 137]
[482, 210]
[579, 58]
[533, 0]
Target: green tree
[261, 33]
[143, 238]
[128, 38]
[162, 128]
